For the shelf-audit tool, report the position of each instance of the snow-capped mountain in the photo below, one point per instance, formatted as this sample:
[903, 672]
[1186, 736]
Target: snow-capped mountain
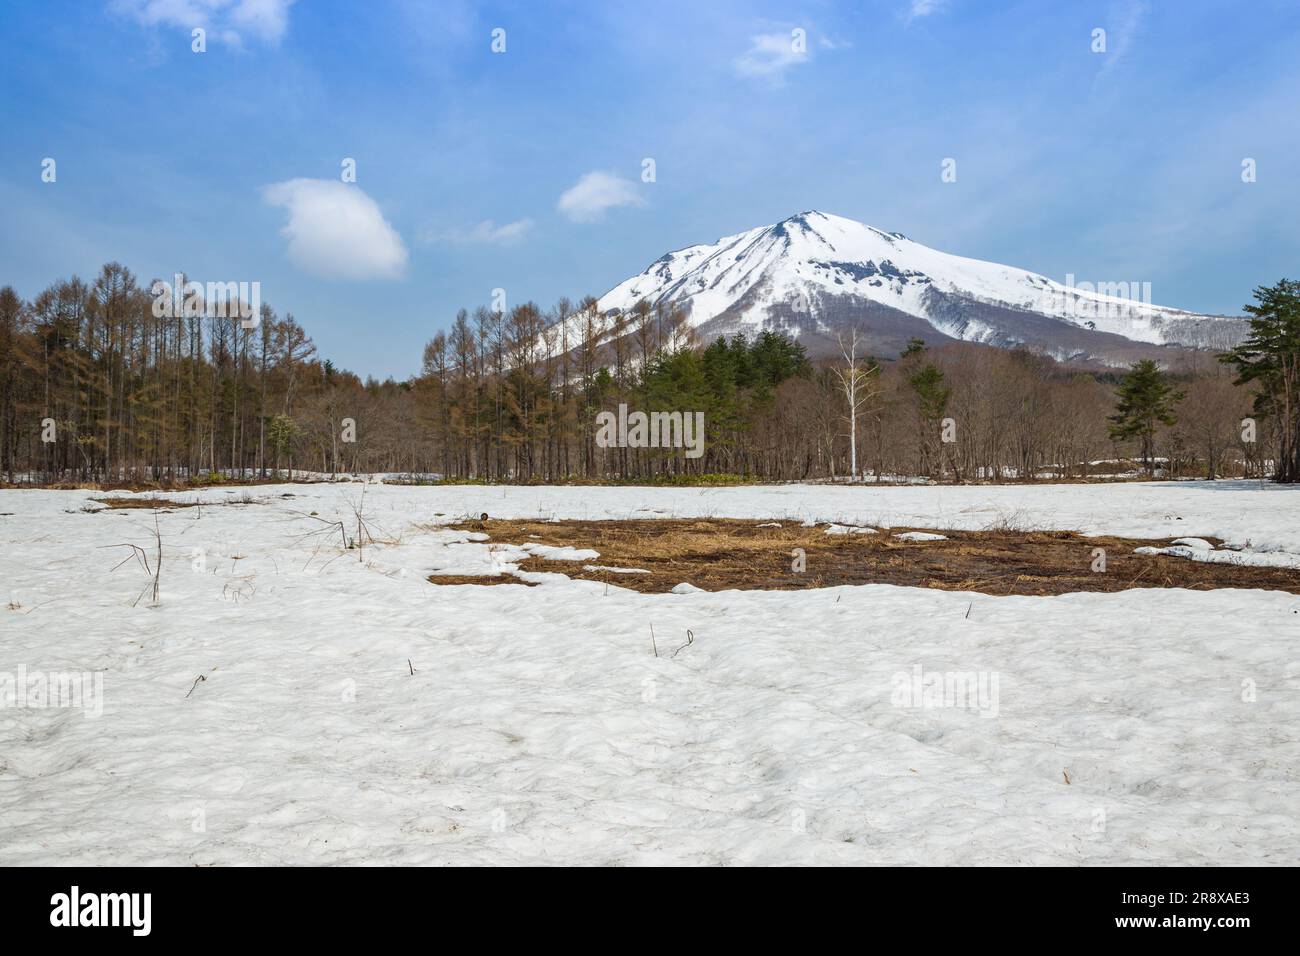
[813, 275]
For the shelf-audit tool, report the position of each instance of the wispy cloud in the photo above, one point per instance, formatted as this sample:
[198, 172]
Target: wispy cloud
[923, 8]
[486, 232]
[336, 231]
[1125, 23]
[595, 193]
[226, 20]
[771, 54]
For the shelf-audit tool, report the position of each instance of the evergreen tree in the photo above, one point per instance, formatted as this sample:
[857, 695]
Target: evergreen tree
[932, 395]
[1269, 359]
[1146, 398]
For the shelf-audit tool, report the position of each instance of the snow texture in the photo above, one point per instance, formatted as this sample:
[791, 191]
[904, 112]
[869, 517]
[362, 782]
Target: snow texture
[289, 701]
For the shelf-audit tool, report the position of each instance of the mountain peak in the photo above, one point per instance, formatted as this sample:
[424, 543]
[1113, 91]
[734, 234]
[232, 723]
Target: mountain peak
[812, 218]
[814, 272]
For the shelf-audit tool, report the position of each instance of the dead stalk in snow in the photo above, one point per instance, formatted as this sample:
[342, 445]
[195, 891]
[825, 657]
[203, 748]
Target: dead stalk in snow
[137, 552]
[142, 559]
[363, 530]
[157, 571]
[327, 529]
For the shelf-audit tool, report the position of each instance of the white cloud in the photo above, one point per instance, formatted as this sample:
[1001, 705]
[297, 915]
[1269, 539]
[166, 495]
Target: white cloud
[770, 55]
[336, 231]
[227, 20]
[923, 8]
[1125, 25]
[487, 232]
[589, 198]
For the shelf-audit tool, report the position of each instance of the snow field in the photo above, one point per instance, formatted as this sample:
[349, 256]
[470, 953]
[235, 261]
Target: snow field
[538, 726]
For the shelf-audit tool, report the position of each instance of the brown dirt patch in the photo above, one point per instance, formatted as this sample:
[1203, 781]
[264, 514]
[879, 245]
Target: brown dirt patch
[166, 504]
[479, 579]
[121, 504]
[720, 554]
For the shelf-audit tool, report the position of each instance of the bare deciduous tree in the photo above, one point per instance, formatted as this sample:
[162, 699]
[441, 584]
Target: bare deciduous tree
[856, 381]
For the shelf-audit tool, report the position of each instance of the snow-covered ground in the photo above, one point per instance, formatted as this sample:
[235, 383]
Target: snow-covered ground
[538, 726]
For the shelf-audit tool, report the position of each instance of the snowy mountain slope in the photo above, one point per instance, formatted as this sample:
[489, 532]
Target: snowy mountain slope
[813, 273]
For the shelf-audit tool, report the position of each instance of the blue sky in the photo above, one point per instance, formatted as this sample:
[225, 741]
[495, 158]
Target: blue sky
[523, 170]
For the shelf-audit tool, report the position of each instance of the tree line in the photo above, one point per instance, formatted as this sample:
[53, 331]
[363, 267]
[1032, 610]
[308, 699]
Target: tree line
[94, 387]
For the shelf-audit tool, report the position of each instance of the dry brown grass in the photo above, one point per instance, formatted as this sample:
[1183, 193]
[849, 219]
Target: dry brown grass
[479, 579]
[165, 504]
[141, 484]
[718, 554]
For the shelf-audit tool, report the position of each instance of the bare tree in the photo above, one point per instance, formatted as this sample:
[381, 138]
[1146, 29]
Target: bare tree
[856, 381]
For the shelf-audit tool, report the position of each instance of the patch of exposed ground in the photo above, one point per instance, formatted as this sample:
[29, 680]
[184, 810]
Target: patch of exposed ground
[142, 484]
[121, 504]
[165, 504]
[718, 555]
[479, 579]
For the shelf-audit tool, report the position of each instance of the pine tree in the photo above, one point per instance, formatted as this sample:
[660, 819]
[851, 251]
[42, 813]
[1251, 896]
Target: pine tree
[11, 308]
[932, 396]
[1146, 398]
[1269, 358]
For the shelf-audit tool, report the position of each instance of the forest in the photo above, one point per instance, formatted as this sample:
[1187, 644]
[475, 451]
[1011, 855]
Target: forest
[94, 387]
